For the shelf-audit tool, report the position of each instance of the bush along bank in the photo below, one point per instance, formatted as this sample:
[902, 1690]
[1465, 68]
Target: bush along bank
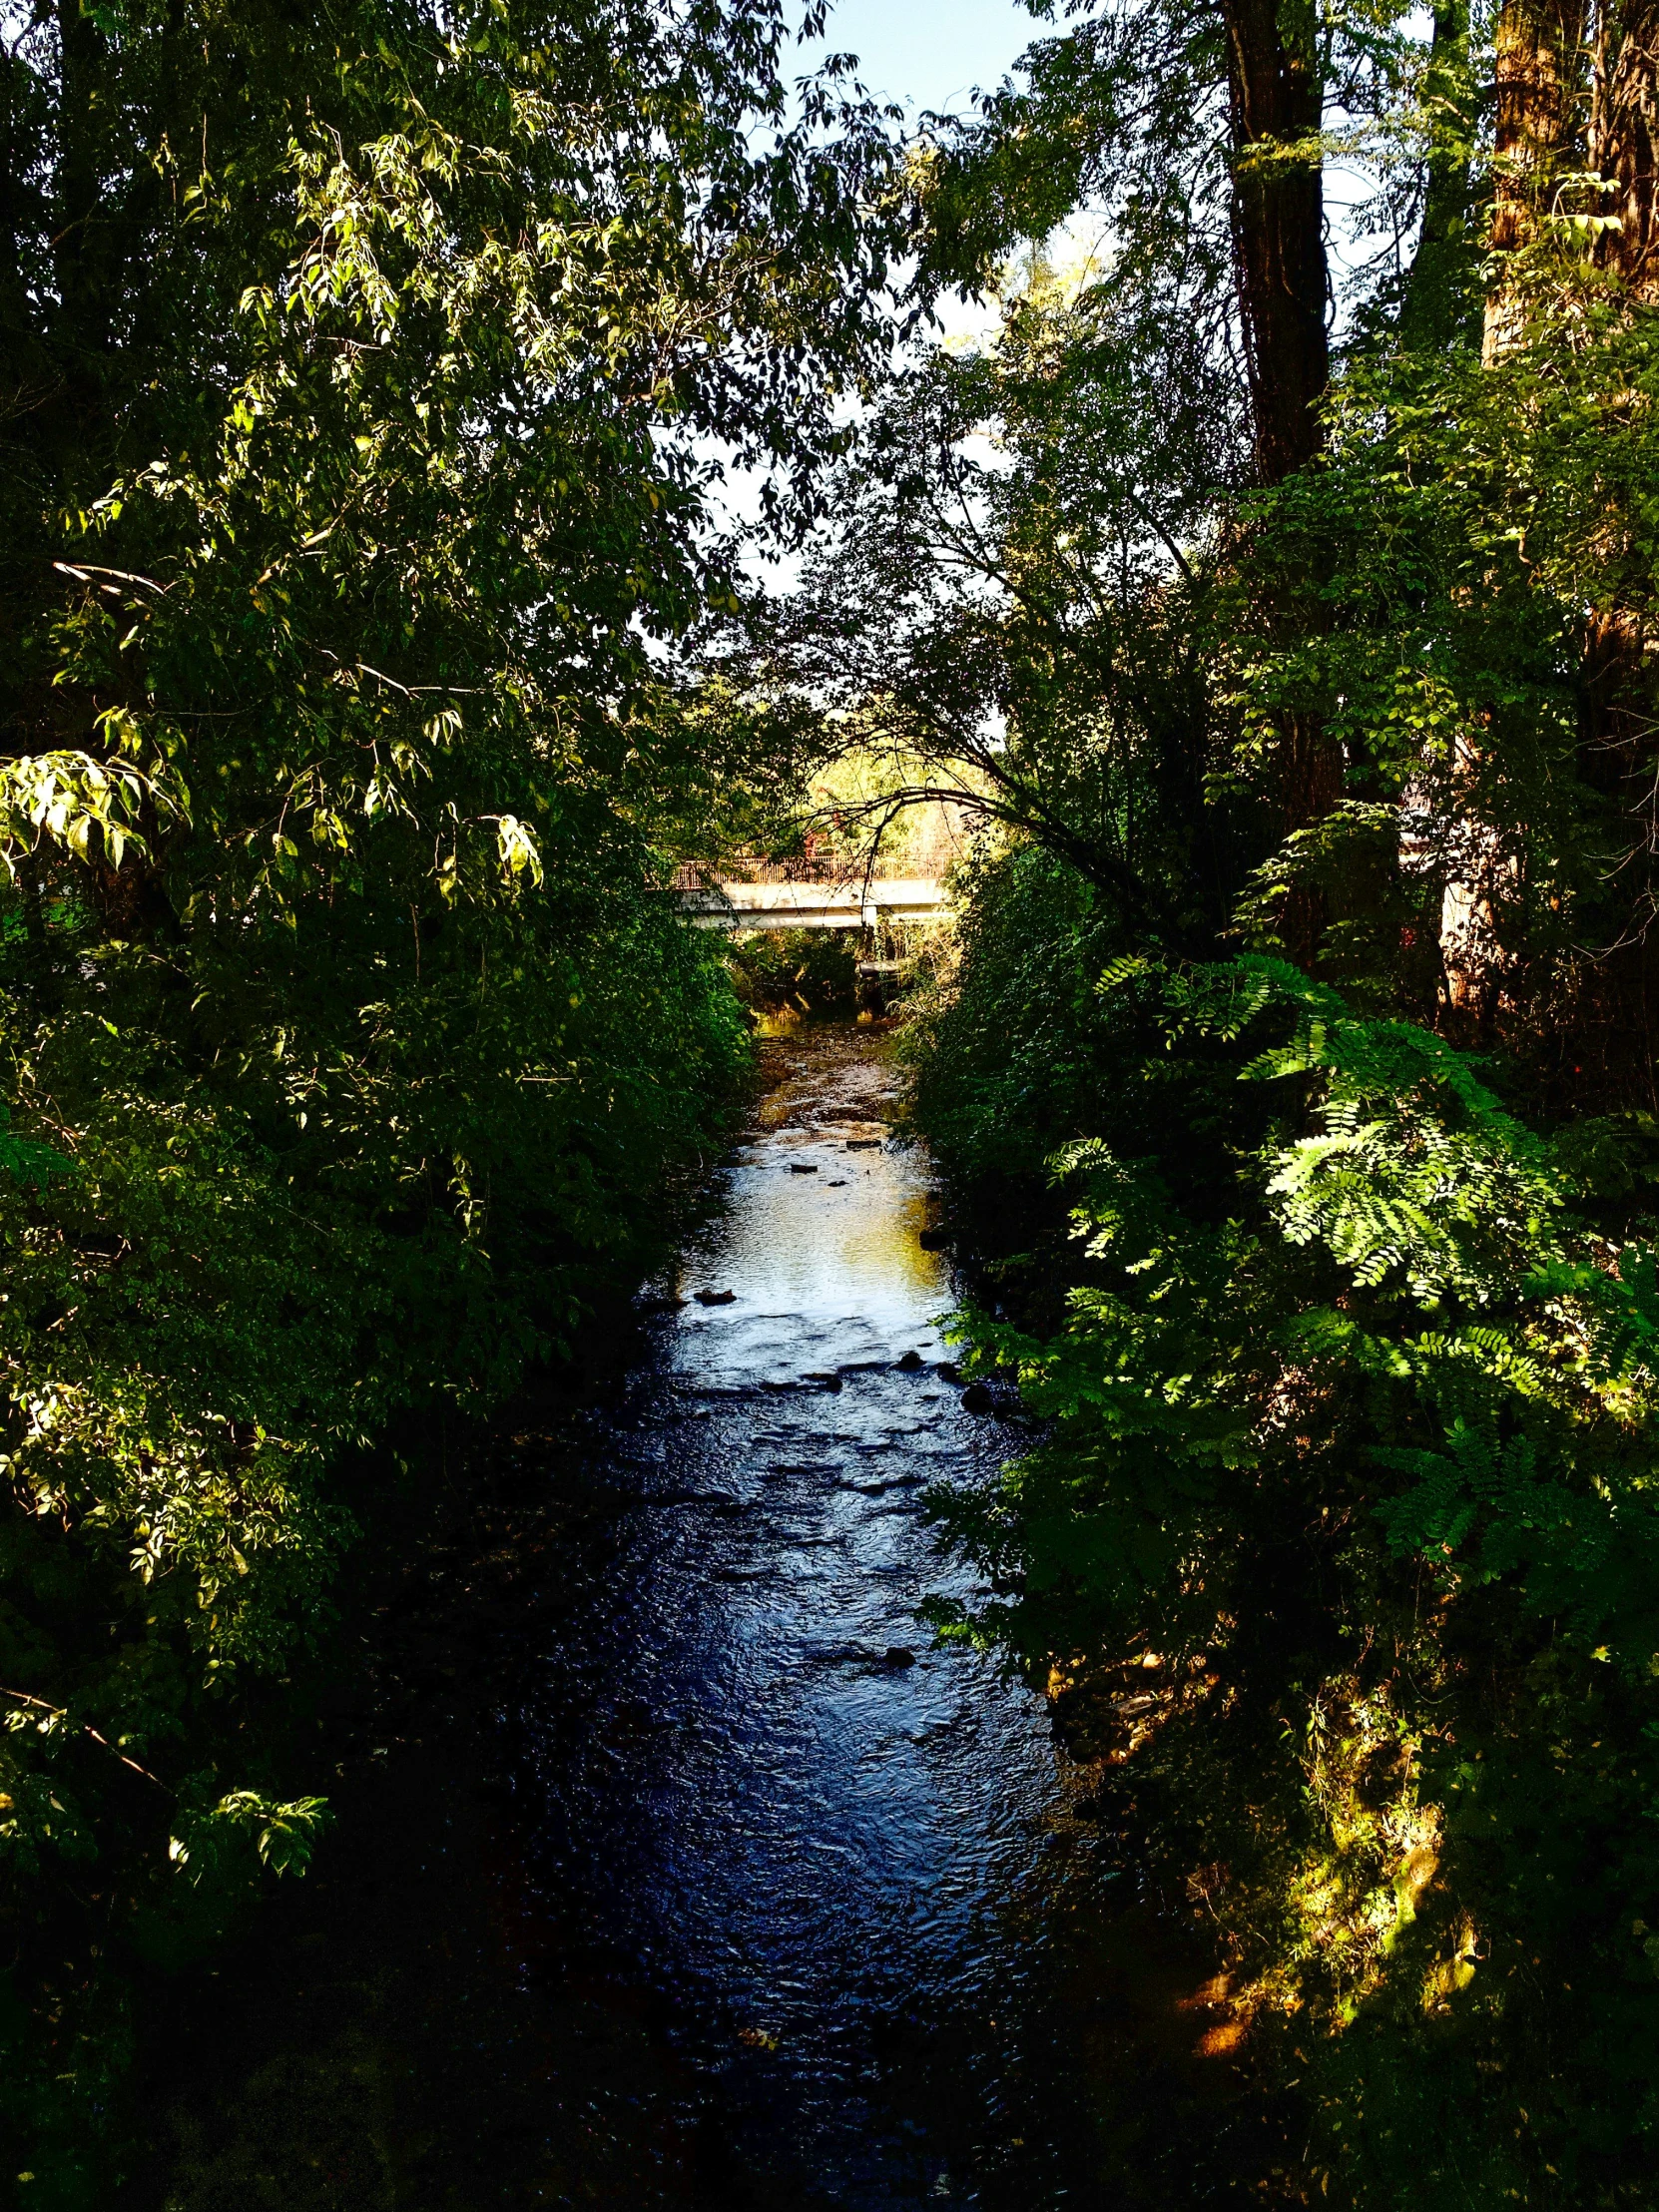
[1337, 1550]
[226, 1356]
[350, 1047]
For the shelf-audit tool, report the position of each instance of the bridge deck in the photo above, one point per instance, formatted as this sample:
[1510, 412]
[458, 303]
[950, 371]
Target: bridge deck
[856, 905]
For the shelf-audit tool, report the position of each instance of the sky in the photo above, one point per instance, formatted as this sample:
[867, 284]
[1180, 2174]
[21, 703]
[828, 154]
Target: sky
[933, 53]
[930, 53]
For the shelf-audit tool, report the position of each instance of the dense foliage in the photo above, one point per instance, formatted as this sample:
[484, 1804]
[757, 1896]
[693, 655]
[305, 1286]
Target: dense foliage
[1339, 1550]
[364, 370]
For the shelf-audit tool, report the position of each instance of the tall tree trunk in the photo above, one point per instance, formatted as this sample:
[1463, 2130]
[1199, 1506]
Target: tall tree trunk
[1537, 70]
[1623, 130]
[1277, 92]
[1624, 141]
[1537, 67]
[1621, 706]
[1439, 289]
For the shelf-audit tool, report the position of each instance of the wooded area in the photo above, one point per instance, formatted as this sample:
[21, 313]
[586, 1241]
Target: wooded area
[1275, 588]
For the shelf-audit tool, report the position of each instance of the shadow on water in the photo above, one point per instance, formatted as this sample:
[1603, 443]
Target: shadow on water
[716, 1884]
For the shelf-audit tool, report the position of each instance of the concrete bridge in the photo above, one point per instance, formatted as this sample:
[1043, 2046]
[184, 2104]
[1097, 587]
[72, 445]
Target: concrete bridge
[856, 905]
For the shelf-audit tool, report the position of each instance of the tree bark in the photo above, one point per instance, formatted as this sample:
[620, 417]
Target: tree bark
[1276, 91]
[1624, 141]
[1537, 69]
[1621, 708]
[1276, 85]
[1537, 54]
[1439, 289]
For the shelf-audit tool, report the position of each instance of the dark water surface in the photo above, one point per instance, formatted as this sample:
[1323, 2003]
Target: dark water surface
[898, 1967]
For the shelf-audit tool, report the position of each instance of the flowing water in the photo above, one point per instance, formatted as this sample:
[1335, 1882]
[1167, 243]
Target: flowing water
[850, 1874]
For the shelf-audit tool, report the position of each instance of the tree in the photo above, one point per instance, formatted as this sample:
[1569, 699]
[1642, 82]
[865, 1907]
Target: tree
[1198, 140]
[1444, 271]
[1538, 73]
[361, 370]
[1013, 610]
[1277, 94]
[1331, 1571]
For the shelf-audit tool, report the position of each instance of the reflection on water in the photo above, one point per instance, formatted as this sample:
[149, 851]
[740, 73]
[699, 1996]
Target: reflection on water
[847, 1869]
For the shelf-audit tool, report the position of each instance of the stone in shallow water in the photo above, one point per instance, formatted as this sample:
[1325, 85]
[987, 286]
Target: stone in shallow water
[802, 1167]
[909, 1363]
[715, 1298]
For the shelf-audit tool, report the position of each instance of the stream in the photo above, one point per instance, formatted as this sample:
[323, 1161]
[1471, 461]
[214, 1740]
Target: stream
[674, 1866]
[853, 1873]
